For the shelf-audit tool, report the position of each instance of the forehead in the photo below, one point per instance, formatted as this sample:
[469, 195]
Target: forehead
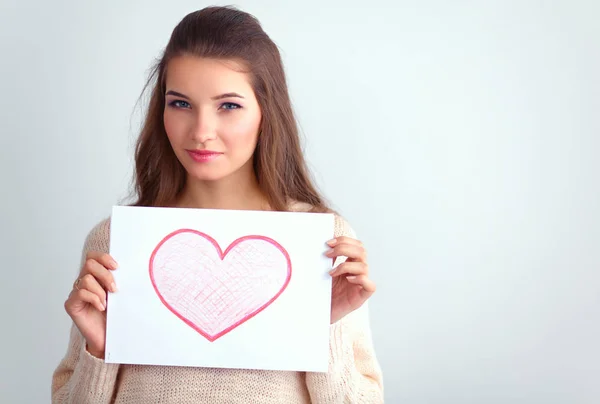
[198, 75]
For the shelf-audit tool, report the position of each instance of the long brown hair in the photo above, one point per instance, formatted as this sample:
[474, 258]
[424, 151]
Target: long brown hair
[227, 33]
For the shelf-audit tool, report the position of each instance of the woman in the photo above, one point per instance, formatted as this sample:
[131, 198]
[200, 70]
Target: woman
[220, 133]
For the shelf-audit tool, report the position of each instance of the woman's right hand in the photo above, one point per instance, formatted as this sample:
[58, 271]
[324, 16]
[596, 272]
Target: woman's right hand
[86, 304]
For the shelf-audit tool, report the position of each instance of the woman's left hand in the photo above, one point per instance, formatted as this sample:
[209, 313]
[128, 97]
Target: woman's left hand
[351, 284]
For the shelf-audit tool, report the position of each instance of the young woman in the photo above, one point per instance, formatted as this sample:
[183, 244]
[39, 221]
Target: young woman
[220, 133]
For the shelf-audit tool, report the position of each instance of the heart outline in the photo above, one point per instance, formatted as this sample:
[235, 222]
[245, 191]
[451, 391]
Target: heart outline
[222, 254]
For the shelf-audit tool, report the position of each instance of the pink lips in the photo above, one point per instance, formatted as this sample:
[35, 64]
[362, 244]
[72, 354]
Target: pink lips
[202, 156]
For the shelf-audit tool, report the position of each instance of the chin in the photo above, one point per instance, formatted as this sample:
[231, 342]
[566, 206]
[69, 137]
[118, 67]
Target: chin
[207, 175]
[215, 172]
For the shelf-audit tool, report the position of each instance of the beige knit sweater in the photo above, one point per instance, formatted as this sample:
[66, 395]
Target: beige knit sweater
[354, 374]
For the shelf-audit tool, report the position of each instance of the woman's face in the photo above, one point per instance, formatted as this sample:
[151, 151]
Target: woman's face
[211, 117]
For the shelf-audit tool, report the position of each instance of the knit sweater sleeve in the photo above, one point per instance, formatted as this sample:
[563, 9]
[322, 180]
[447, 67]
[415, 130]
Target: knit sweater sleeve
[354, 374]
[81, 377]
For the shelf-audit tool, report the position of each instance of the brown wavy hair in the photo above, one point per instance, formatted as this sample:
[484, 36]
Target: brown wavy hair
[229, 34]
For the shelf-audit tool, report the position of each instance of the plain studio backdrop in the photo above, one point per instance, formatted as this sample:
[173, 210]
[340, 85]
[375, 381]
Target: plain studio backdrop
[460, 140]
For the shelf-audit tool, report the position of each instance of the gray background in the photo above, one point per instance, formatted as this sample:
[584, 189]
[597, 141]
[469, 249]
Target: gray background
[460, 139]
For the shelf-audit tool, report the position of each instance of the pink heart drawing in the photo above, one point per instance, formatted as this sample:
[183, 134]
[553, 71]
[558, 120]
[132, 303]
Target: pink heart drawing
[215, 291]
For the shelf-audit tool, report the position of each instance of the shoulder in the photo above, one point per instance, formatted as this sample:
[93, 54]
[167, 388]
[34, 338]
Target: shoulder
[98, 237]
[341, 228]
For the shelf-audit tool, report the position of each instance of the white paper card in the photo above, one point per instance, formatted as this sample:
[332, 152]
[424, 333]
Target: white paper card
[220, 288]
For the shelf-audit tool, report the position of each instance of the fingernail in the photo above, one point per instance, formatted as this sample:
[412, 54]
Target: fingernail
[114, 264]
[329, 253]
[113, 287]
[332, 271]
[351, 277]
[332, 242]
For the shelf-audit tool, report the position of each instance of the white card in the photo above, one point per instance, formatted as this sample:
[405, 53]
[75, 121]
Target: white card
[220, 288]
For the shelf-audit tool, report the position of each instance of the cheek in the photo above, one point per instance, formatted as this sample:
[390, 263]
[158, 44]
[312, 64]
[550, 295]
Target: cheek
[243, 134]
[174, 126]
[168, 122]
[245, 142]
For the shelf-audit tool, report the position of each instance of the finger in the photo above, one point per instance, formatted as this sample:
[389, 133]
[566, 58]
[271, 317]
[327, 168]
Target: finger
[367, 284]
[103, 275]
[104, 259]
[85, 296]
[352, 251]
[352, 268]
[88, 282]
[345, 240]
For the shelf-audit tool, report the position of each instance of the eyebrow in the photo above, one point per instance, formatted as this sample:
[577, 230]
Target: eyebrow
[218, 97]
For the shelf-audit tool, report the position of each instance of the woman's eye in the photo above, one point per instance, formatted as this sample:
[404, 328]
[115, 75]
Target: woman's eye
[230, 105]
[177, 104]
[183, 104]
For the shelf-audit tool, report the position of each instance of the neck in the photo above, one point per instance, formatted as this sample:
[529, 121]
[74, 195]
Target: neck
[228, 193]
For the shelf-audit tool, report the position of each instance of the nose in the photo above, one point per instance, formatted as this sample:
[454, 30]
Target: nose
[204, 129]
